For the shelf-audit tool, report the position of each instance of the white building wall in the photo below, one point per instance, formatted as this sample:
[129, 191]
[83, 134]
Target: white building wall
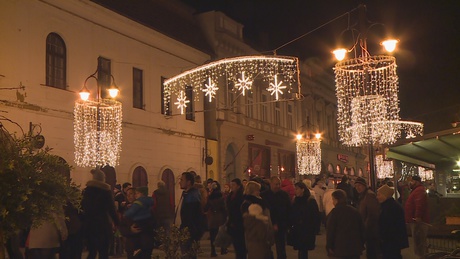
[89, 31]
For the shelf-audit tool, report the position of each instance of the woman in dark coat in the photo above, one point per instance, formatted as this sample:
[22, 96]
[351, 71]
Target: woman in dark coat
[216, 213]
[305, 221]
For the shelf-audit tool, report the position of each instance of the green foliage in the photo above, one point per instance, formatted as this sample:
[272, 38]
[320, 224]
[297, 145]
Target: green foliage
[31, 187]
[172, 241]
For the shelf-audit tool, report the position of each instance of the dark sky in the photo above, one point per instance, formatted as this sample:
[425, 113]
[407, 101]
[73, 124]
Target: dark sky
[428, 55]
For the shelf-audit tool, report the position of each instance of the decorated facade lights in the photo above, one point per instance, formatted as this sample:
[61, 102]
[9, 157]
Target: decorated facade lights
[425, 174]
[182, 102]
[308, 155]
[384, 167]
[97, 125]
[239, 71]
[367, 97]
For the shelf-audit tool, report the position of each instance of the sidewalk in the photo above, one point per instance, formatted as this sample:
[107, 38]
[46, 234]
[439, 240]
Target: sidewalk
[318, 253]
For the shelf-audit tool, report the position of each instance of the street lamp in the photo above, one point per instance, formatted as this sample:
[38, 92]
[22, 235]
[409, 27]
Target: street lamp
[308, 154]
[367, 97]
[97, 126]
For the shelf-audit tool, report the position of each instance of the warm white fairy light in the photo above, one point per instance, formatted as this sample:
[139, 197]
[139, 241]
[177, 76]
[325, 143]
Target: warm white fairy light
[210, 89]
[239, 71]
[425, 174]
[276, 87]
[182, 102]
[367, 102]
[308, 156]
[97, 132]
[244, 84]
[384, 168]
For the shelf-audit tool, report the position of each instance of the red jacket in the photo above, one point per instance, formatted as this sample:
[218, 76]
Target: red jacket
[417, 205]
[288, 186]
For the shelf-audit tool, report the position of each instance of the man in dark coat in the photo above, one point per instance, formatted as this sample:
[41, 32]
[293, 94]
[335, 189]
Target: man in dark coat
[235, 218]
[347, 188]
[392, 225]
[191, 213]
[99, 215]
[163, 208]
[279, 204]
[369, 208]
[344, 229]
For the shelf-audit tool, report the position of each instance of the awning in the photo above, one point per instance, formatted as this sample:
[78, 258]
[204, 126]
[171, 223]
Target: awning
[434, 150]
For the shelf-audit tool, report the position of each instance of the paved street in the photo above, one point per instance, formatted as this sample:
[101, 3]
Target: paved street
[318, 253]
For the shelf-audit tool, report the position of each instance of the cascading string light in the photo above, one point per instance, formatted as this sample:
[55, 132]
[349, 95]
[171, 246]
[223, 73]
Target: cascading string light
[308, 156]
[241, 71]
[384, 168]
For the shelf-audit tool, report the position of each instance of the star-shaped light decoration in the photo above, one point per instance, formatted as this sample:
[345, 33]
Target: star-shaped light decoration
[244, 83]
[181, 102]
[210, 89]
[276, 88]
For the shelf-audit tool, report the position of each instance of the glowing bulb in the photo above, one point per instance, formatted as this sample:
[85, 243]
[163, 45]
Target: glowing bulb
[299, 136]
[318, 135]
[390, 45]
[84, 95]
[113, 92]
[340, 54]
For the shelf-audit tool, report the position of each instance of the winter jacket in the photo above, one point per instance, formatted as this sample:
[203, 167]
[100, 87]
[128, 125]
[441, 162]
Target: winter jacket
[215, 209]
[288, 186]
[279, 205]
[392, 226]
[344, 232]
[99, 209]
[369, 208]
[305, 221]
[417, 205]
[235, 216]
[140, 209]
[191, 213]
[49, 234]
[163, 204]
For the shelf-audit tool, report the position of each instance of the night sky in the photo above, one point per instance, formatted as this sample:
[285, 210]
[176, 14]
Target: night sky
[428, 54]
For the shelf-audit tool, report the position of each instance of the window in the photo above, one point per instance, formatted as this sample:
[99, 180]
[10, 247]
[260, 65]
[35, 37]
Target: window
[189, 112]
[140, 177]
[249, 105]
[104, 75]
[138, 89]
[55, 61]
[277, 114]
[290, 121]
[264, 115]
[165, 103]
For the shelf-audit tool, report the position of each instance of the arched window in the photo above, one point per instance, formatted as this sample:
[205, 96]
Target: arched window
[140, 177]
[56, 59]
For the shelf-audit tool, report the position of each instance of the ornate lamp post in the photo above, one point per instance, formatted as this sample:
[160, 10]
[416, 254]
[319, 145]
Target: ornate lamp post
[97, 126]
[367, 97]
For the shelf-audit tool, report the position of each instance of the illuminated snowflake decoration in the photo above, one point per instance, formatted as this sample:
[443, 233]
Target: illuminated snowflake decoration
[276, 88]
[210, 89]
[244, 84]
[181, 102]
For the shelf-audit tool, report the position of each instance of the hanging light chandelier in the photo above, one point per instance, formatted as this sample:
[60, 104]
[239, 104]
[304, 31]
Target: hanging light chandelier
[308, 155]
[97, 127]
[384, 168]
[281, 73]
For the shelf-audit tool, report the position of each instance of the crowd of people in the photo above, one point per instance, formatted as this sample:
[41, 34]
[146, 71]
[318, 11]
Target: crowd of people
[260, 215]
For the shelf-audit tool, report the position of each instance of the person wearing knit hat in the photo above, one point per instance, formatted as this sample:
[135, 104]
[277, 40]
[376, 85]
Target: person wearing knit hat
[369, 208]
[392, 225]
[100, 214]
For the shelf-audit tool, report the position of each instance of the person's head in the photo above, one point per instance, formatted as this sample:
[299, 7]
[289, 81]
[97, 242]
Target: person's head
[307, 182]
[339, 197]
[98, 175]
[227, 187]
[384, 193]
[130, 195]
[360, 185]
[301, 190]
[125, 186]
[209, 183]
[344, 179]
[415, 181]
[235, 184]
[275, 184]
[215, 186]
[252, 188]
[187, 180]
[198, 179]
[161, 184]
[244, 182]
[142, 191]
